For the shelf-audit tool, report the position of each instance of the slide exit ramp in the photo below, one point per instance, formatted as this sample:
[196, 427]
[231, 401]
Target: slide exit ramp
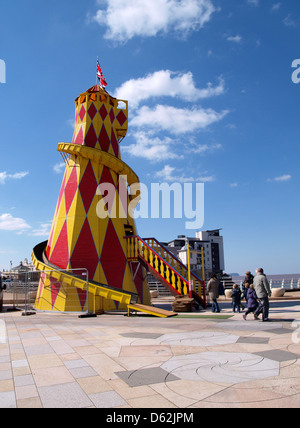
[95, 288]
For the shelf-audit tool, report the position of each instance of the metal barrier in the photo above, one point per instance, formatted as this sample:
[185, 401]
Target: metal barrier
[286, 283]
[23, 290]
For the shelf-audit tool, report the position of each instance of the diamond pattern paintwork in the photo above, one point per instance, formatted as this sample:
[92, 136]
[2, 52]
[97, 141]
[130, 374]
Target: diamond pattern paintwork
[91, 138]
[79, 239]
[82, 113]
[112, 251]
[71, 189]
[92, 111]
[104, 139]
[106, 178]
[60, 254]
[80, 138]
[55, 289]
[114, 143]
[85, 253]
[103, 112]
[112, 115]
[121, 118]
[88, 187]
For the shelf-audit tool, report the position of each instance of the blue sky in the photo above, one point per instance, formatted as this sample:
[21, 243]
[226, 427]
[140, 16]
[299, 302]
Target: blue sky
[211, 96]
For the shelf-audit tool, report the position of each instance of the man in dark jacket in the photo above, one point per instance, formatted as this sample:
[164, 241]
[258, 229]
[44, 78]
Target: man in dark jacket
[263, 292]
[248, 278]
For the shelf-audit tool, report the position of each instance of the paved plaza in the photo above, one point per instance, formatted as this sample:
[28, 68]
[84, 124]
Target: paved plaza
[197, 360]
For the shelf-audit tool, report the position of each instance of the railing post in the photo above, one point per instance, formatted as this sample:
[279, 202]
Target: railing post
[168, 274]
[162, 268]
[151, 258]
[189, 262]
[178, 285]
[139, 248]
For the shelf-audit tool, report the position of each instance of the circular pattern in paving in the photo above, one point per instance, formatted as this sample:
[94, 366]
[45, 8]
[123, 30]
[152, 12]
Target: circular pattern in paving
[222, 367]
[195, 338]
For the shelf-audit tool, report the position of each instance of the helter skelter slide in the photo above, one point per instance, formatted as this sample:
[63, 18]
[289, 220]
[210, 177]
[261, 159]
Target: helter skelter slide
[96, 233]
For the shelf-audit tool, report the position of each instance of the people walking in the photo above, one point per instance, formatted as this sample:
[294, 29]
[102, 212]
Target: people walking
[245, 291]
[213, 287]
[245, 284]
[236, 298]
[248, 278]
[251, 301]
[263, 292]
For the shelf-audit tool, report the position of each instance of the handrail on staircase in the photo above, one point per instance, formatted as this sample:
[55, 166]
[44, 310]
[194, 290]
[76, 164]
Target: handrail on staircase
[158, 255]
[134, 253]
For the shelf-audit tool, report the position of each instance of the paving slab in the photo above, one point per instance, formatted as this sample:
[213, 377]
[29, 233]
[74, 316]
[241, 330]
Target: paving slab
[279, 355]
[69, 395]
[146, 376]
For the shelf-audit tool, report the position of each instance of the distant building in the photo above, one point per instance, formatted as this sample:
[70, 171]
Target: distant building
[23, 267]
[212, 243]
[18, 272]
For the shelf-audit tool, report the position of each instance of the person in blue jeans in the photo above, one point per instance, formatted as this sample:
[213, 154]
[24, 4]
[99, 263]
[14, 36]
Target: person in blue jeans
[213, 287]
[236, 298]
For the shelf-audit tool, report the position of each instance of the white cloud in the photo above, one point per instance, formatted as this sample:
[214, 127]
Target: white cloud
[176, 120]
[253, 2]
[43, 230]
[59, 167]
[17, 176]
[203, 149]
[276, 6]
[10, 223]
[289, 21]
[235, 39]
[166, 83]
[281, 178]
[167, 174]
[146, 18]
[151, 148]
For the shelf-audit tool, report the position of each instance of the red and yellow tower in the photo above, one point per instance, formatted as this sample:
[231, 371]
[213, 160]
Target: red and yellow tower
[92, 215]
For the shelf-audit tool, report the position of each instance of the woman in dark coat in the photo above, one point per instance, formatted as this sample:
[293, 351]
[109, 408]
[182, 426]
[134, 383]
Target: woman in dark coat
[251, 301]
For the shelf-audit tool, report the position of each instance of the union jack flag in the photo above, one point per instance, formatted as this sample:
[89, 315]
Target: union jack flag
[100, 76]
